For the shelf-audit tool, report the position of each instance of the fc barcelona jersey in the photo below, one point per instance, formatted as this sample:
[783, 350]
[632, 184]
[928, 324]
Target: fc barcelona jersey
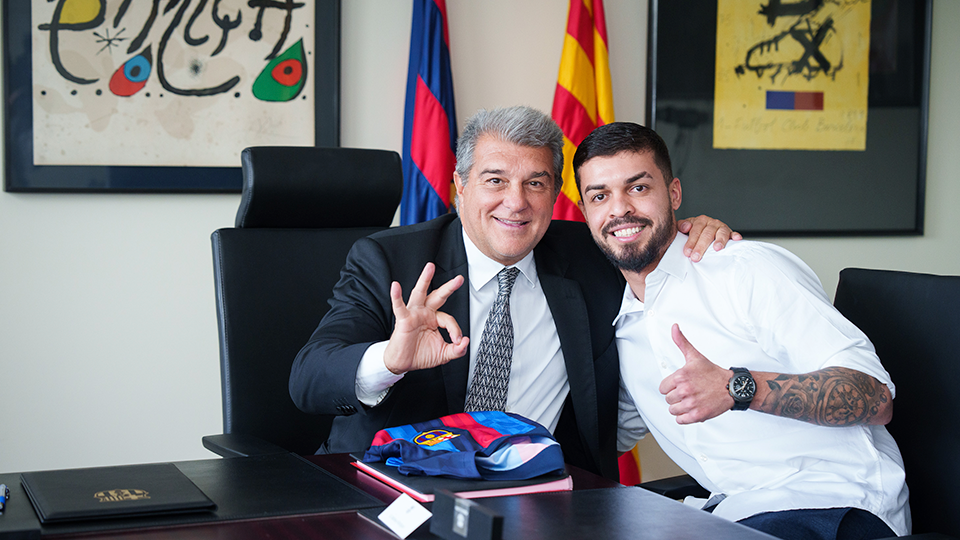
[489, 445]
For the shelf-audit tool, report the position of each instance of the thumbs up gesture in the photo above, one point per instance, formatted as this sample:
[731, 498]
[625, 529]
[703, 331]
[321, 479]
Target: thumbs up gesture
[697, 391]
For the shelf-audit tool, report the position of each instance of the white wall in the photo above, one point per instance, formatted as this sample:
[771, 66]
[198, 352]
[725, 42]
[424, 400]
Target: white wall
[108, 333]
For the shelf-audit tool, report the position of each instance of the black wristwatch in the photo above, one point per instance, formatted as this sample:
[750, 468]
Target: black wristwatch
[742, 388]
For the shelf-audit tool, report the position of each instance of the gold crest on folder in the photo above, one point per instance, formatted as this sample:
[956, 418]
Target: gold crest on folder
[117, 495]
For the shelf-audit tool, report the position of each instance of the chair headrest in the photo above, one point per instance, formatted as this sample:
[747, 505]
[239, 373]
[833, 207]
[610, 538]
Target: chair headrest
[309, 187]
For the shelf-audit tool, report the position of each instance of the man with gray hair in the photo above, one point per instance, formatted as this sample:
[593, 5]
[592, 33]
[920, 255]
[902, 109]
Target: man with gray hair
[377, 360]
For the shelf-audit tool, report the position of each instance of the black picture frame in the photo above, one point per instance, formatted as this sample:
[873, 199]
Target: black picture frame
[878, 191]
[21, 175]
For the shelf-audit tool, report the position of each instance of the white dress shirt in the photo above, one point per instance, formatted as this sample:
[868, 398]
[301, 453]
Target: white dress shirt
[757, 306]
[538, 375]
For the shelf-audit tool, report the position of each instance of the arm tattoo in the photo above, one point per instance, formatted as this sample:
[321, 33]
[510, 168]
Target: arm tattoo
[829, 397]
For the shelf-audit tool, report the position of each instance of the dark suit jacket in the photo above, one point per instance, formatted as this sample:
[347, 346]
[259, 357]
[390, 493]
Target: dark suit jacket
[580, 286]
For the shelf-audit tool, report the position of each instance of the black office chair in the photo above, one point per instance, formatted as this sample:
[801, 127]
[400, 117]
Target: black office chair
[301, 210]
[914, 322]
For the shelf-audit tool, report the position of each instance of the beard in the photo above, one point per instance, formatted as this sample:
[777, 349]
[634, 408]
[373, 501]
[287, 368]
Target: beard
[635, 257]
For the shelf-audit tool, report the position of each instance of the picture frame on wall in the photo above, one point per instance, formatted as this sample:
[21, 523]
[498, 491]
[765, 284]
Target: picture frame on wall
[792, 118]
[151, 97]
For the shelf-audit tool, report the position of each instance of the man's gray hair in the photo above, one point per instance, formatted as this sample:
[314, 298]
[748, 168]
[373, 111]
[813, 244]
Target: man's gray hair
[520, 125]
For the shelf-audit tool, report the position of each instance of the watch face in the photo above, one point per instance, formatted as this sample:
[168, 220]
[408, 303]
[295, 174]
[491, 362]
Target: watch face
[743, 387]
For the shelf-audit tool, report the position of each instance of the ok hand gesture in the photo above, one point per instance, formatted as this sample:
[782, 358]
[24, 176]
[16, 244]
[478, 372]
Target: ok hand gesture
[416, 342]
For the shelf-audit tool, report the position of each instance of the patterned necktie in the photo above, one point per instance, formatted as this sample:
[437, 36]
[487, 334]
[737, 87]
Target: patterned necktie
[491, 375]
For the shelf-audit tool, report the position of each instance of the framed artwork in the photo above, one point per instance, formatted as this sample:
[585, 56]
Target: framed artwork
[795, 118]
[162, 96]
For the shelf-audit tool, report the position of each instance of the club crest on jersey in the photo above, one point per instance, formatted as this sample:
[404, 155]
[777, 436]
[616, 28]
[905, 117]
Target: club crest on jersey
[434, 436]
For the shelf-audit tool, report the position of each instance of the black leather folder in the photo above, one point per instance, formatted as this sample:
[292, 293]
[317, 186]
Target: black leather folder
[112, 492]
[243, 488]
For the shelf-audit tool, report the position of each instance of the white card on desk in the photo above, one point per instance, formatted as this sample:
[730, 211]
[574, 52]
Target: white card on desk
[404, 515]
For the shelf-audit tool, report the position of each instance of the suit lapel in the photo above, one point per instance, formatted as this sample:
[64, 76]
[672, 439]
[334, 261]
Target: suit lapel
[452, 261]
[565, 298]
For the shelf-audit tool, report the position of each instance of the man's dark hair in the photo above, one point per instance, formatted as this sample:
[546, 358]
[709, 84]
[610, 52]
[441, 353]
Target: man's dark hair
[617, 137]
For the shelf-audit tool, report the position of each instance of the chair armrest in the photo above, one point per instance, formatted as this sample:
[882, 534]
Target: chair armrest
[231, 445]
[676, 487]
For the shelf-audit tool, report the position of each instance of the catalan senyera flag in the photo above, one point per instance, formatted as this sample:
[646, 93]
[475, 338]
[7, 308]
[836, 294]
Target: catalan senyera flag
[584, 98]
[429, 121]
[630, 471]
[583, 101]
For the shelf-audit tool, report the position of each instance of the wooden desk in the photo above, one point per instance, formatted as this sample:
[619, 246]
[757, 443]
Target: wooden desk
[597, 508]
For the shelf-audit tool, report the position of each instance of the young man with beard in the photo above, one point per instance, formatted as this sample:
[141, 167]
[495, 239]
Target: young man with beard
[792, 443]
